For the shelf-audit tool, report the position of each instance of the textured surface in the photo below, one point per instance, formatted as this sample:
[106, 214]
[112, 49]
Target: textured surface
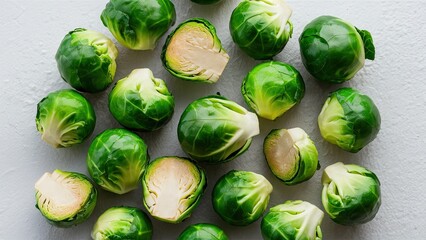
[32, 31]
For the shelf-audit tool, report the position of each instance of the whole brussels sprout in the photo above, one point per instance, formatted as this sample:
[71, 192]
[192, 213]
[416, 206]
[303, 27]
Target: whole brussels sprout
[261, 28]
[65, 198]
[272, 88]
[122, 223]
[206, 2]
[86, 60]
[291, 155]
[141, 102]
[203, 231]
[333, 50]
[117, 159]
[351, 193]
[293, 220]
[194, 52]
[65, 118]
[137, 24]
[241, 197]
[172, 188]
[349, 119]
[214, 129]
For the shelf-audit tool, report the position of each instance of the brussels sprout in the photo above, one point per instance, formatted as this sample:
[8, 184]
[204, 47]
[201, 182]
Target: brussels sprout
[215, 130]
[194, 52]
[136, 24]
[206, 2]
[122, 223]
[261, 28]
[291, 155]
[333, 50]
[241, 197]
[292, 220]
[203, 231]
[117, 159]
[86, 60]
[65, 118]
[65, 198]
[351, 193]
[172, 188]
[141, 102]
[272, 88]
[349, 119]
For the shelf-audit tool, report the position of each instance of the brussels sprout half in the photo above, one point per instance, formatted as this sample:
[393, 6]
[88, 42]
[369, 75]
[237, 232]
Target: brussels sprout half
[141, 102]
[65, 198]
[215, 130]
[349, 119]
[194, 52]
[291, 155]
[261, 28]
[351, 193]
[203, 231]
[241, 197]
[122, 223]
[272, 88]
[86, 60]
[65, 118]
[172, 188]
[136, 24]
[333, 50]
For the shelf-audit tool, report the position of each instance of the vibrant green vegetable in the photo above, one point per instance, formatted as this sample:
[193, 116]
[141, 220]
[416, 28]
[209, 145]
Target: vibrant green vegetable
[203, 231]
[261, 28]
[293, 220]
[172, 188]
[141, 102]
[86, 60]
[291, 155]
[65, 198]
[351, 193]
[122, 223]
[349, 119]
[215, 130]
[206, 2]
[137, 24]
[272, 88]
[333, 50]
[65, 118]
[194, 52]
[241, 197]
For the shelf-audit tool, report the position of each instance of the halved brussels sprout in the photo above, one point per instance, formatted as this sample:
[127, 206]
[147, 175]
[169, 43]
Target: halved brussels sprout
[351, 193]
[122, 223]
[65, 198]
[291, 155]
[349, 119]
[65, 118]
[293, 220]
[206, 2]
[117, 159]
[272, 88]
[261, 28]
[136, 24]
[172, 188]
[333, 50]
[215, 130]
[194, 52]
[141, 102]
[203, 231]
[86, 60]
[241, 197]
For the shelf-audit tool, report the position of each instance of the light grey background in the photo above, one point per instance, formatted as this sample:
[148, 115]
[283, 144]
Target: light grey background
[32, 30]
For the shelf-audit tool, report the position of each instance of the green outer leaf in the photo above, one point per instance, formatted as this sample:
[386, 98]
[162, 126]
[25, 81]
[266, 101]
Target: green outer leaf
[203, 231]
[370, 50]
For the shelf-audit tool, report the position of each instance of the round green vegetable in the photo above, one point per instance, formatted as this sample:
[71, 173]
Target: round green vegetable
[141, 102]
[351, 193]
[86, 60]
[349, 119]
[65, 118]
[137, 24]
[203, 231]
[333, 50]
[272, 88]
